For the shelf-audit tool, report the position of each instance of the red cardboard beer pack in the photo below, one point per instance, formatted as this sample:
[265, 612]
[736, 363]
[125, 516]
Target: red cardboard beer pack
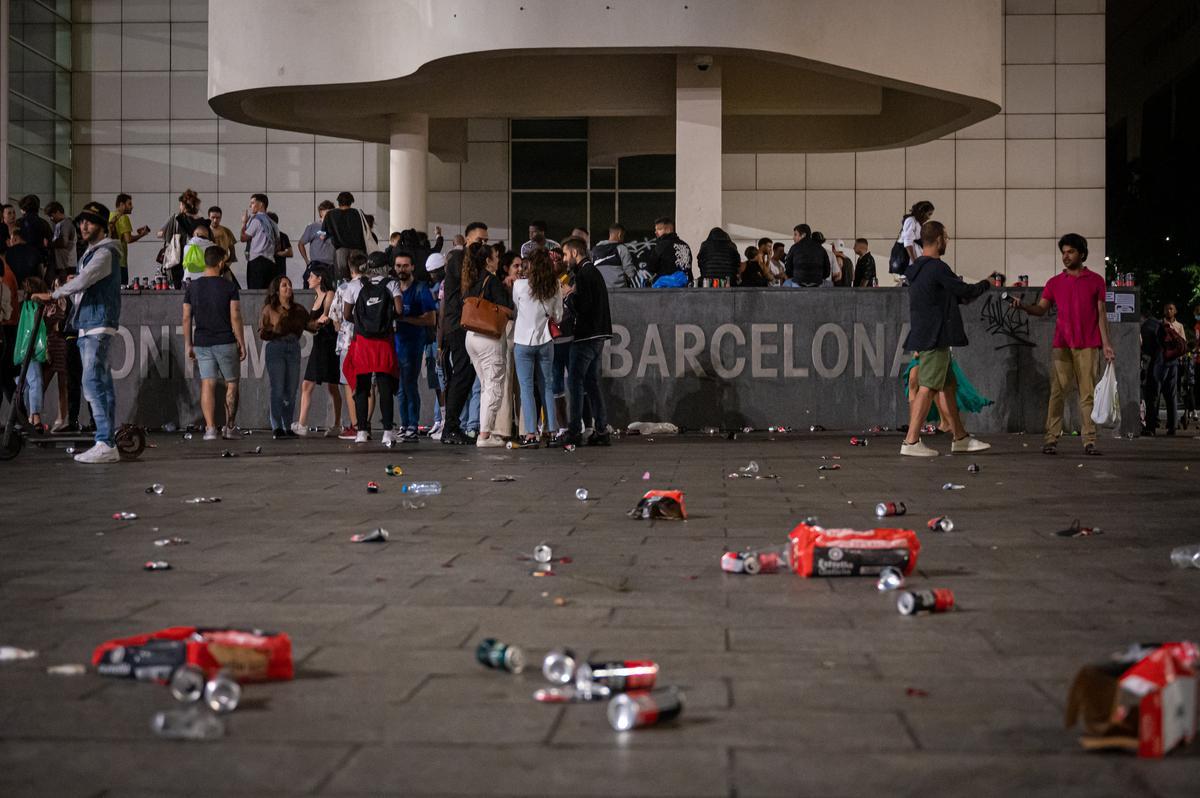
[249, 655]
[814, 551]
[1143, 700]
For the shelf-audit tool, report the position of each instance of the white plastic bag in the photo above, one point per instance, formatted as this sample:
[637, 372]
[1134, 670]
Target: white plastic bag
[1106, 406]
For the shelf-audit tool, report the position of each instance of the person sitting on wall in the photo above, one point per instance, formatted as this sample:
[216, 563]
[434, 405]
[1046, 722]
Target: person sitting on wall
[806, 265]
[670, 260]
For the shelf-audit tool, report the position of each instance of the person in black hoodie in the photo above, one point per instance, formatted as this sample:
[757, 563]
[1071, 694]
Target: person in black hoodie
[934, 295]
[669, 257]
[807, 265]
[593, 326]
[718, 259]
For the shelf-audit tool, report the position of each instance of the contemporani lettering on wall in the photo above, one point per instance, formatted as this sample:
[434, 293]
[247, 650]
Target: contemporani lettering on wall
[760, 351]
[159, 349]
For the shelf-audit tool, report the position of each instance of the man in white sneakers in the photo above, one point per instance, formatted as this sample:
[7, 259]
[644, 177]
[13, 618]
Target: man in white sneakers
[934, 295]
[96, 294]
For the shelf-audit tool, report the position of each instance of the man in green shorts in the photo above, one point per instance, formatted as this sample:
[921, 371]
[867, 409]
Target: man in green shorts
[934, 295]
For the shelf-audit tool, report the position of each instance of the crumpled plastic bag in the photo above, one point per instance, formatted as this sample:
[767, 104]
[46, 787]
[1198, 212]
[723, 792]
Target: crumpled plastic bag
[1106, 405]
[652, 428]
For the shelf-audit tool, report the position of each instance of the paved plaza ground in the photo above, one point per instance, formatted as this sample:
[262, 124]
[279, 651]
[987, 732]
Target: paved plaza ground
[793, 686]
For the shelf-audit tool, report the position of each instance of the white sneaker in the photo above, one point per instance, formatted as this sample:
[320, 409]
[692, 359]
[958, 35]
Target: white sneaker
[100, 453]
[490, 442]
[211, 434]
[389, 438]
[917, 449]
[363, 436]
[436, 429]
[472, 434]
[969, 444]
[230, 434]
[299, 429]
[59, 426]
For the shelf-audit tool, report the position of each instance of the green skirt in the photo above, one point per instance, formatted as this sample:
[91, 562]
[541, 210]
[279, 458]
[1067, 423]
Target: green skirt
[966, 397]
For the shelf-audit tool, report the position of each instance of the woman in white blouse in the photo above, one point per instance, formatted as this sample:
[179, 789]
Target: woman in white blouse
[538, 301]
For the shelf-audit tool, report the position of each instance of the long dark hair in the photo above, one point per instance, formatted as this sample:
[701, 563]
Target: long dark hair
[542, 282]
[273, 291]
[475, 258]
[921, 211]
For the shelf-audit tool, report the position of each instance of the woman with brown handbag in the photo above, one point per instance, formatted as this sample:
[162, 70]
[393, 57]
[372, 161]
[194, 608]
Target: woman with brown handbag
[487, 309]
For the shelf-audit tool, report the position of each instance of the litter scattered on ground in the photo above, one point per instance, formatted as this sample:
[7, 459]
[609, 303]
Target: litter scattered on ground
[811, 428]
[830, 467]
[886, 509]
[1186, 557]
[628, 711]
[500, 656]
[124, 516]
[940, 523]
[372, 487]
[543, 553]
[1077, 531]
[13, 654]
[344, 470]
[72, 669]
[1141, 700]
[581, 494]
[409, 505]
[229, 453]
[815, 551]
[156, 565]
[660, 505]
[889, 579]
[190, 723]
[753, 562]
[953, 486]
[422, 488]
[859, 441]
[645, 476]
[202, 500]
[249, 655]
[652, 428]
[170, 542]
[973, 469]
[915, 692]
[379, 535]
[157, 489]
[504, 478]
[749, 468]
[911, 602]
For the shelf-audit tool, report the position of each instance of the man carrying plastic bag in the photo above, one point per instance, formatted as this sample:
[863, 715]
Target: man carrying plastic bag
[1080, 329]
[1106, 405]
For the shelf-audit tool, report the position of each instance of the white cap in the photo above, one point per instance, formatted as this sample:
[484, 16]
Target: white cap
[435, 261]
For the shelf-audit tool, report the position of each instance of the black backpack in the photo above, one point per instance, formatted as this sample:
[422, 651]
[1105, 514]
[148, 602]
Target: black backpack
[898, 261]
[375, 309]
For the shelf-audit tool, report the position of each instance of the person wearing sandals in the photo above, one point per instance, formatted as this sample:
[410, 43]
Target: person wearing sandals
[322, 367]
[1080, 332]
[538, 300]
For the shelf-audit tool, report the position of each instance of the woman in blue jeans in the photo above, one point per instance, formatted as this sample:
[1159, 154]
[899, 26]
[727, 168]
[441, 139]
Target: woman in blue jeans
[538, 300]
[281, 325]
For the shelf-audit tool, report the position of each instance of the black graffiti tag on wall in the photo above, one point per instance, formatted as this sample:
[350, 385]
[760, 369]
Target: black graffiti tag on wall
[1003, 319]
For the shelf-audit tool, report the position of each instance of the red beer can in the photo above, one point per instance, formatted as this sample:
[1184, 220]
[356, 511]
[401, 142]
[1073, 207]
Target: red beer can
[884, 509]
[910, 602]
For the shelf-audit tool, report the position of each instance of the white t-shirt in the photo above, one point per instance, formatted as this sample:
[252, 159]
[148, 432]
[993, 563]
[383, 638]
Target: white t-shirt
[910, 234]
[530, 328]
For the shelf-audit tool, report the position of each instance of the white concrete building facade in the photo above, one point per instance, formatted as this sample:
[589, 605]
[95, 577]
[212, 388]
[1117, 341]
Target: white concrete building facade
[840, 115]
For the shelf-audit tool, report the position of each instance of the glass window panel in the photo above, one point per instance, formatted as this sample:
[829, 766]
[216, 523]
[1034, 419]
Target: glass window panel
[40, 28]
[39, 79]
[603, 214]
[604, 178]
[638, 210]
[549, 164]
[549, 129]
[561, 211]
[647, 171]
[28, 174]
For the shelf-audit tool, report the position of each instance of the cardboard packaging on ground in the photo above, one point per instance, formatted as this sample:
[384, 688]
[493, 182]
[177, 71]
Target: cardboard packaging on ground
[1142, 700]
[815, 551]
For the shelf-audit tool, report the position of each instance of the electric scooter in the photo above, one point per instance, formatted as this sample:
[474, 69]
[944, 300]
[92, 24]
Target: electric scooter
[130, 439]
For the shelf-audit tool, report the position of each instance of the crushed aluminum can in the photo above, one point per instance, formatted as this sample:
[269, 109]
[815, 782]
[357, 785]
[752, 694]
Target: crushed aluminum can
[222, 693]
[12, 654]
[618, 676]
[859, 441]
[170, 542]
[372, 487]
[379, 535]
[228, 453]
[747, 430]
[543, 553]
[941, 523]
[890, 578]
[70, 450]
[571, 694]
[156, 489]
[559, 666]
[156, 565]
[187, 683]
[640, 708]
[342, 470]
[912, 602]
[814, 428]
[876, 429]
[202, 500]
[570, 447]
[1077, 531]
[749, 468]
[390, 470]
[190, 723]
[504, 478]
[751, 562]
[830, 467]
[973, 468]
[124, 516]
[187, 436]
[581, 494]
[953, 486]
[500, 656]
[71, 669]
[885, 509]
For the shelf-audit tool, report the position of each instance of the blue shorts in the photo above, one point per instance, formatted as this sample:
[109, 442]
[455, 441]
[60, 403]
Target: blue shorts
[220, 361]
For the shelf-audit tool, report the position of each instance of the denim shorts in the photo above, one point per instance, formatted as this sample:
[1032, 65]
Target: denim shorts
[218, 361]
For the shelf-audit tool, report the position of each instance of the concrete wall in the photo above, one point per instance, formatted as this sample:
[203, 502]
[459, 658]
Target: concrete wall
[727, 358]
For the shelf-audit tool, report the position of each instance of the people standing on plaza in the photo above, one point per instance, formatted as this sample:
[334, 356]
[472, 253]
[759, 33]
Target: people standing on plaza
[10, 316]
[261, 234]
[348, 230]
[374, 303]
[436, 269]
[212, 305]
[34, 383]
[283, 246]
[670, 259]
[36, 230]
[612, 258]
[62, 242]
[845, 266]
[910, 229]
[120, 229]
[8, 220]
[322, 367]
[563, 335]
[58, 364]
[806, 265]
[1080, 335]
[96, 293]
[223, 237]
[281, 324]
[489, 356]
[418, 313]
[193, 251]
[864, 265]
[593, 326]
[1164, 382]
[537, 299]
[452, 344]
[316, 245]
[175, 234]
[537, 239]
[718, 260]
[935, 295]
[23, 258]
[345, 295]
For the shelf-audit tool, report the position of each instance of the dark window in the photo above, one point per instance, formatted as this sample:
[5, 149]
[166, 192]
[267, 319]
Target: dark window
[549, 129]
[604, 213]
[549, 164]
[561, 211]
[648, 171]
[604, 178]
[638, 210]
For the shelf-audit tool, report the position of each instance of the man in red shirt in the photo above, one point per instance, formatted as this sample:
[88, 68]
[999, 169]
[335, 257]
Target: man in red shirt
[1079, 331]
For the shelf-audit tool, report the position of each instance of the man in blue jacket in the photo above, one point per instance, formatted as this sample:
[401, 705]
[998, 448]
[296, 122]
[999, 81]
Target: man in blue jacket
[96, 295]
[934, 295]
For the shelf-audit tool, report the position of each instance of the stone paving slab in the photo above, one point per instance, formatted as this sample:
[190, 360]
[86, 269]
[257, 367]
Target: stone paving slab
[793, 686]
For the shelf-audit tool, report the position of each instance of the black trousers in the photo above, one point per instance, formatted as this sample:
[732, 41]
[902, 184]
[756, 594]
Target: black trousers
[175, 276]
[259, 273]
[387, 401]
[1162, 380]
[460, 377]
[9, 372]
[74, 380]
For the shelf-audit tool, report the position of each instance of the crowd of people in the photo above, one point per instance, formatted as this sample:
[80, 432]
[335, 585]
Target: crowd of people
[510, 340]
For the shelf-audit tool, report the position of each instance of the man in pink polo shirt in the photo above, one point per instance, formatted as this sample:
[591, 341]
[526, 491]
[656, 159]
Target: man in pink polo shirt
[1079, 331]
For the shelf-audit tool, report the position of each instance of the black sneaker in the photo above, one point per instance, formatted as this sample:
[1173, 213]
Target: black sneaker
[409, 435]
[287, 433]
[599, 439]
[528, 443]
[570, 439]
[456, 438]
[555, 441]
[278, 434]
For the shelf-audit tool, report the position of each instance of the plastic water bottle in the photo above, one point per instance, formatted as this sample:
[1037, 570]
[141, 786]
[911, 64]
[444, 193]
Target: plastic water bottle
[422, 488]
[1186, 556]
